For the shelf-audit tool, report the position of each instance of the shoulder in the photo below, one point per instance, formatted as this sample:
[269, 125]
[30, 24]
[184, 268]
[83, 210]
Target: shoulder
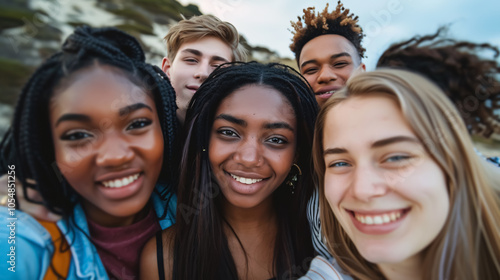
[23, 235]
[321, 268]
[149, 256]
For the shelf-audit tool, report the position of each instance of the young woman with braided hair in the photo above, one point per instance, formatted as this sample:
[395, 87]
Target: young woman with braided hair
[245, 180]
[94, 129]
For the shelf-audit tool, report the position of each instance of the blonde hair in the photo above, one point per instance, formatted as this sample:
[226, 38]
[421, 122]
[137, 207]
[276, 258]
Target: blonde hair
[468, 246]
[198, 27]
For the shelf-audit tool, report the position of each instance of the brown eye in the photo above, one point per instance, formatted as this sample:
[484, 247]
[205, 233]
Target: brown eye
[75, 136]
[139, 124]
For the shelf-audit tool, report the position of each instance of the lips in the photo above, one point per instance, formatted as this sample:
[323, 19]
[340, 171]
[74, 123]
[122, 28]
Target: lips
[245, 184]
[327, 92]
[193, 88]
[244, 180]
[378, 222]
[120, 182]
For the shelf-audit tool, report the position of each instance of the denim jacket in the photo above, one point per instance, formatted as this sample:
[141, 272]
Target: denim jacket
[33, 243]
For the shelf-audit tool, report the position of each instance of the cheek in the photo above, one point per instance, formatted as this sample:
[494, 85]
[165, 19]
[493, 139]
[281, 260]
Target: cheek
[333, 191]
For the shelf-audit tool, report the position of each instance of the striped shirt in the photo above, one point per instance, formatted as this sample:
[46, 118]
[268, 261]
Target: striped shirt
[322, 269]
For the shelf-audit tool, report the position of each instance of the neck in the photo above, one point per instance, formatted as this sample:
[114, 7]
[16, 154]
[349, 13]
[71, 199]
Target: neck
[251, 220]
[410, 269]
[107, 220]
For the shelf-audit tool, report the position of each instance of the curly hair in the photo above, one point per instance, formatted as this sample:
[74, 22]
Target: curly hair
[338, 22]
[28, 143]
[471, 82]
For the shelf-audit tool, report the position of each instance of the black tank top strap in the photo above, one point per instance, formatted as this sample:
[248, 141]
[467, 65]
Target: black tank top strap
[159, 255]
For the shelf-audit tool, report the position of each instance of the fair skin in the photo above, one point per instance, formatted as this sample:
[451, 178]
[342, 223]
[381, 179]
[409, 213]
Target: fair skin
[110, 151]
[252, 148]
[192, 64]
[326, 62]
[385, 190]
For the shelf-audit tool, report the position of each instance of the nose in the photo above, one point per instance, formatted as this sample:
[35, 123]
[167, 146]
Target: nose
[368, 183]
[204, 69]
[326, 74]
[114, 152]
[249, 154]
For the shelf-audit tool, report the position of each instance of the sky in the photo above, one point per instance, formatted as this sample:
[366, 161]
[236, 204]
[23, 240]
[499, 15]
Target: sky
[267, 22]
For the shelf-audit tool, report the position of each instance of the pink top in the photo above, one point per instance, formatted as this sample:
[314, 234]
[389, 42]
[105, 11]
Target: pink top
[120, 247]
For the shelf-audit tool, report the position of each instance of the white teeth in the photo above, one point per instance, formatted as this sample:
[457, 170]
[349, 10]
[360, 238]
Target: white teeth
[247, 181]
[118, 183]
[378, 219]
[386, 218]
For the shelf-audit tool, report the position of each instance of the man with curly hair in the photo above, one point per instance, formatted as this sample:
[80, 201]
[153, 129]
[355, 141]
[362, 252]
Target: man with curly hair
[327, 48]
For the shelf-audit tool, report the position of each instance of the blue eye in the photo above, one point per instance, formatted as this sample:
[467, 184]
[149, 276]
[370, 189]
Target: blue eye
[140, 123]
[397, 158]
[339, 164]
[78, 135]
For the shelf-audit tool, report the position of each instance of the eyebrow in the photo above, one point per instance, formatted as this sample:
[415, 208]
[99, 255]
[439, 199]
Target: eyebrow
[84, 118]
[73, 117]
[231, 119]
[131, 108]
[275, 125]
[198, 53]
[331, 57]
[395, 139]
[377, 144]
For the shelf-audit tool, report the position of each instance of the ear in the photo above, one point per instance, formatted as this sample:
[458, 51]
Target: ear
[165, 66]
[360, 69]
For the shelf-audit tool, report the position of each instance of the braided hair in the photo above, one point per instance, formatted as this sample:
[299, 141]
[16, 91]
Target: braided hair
[199, 198]
[28, 143]
[338, 22]
[471, 82]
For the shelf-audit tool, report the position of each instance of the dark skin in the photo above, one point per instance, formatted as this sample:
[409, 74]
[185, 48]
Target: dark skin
[253, 139]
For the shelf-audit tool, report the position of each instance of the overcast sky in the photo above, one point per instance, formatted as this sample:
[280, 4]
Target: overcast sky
[267, 22]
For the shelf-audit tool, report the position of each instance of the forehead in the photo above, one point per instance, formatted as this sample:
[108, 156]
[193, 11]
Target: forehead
[366, 119]
[96, 87]
[257, 102]
[324, 46]
[208, 46]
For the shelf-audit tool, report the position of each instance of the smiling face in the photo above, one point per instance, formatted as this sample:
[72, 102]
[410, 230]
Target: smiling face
[326, 62]
[252, 144]
[193, 62]
[108, 143]
[385, 190]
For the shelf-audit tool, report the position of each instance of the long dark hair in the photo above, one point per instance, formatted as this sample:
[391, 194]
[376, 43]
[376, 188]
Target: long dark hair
[201, 250]
[28, 143]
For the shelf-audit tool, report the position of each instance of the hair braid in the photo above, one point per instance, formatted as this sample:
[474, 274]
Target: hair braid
[28, 142]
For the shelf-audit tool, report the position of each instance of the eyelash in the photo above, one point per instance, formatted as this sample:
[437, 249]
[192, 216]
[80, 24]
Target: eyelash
[75, 136]
[336, 164]
[80, 134]
[398, 158]
[142, 122]
[227, 133]
[280, 140]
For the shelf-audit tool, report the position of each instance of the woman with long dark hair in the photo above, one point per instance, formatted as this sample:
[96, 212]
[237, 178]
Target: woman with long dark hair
[245, 179]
